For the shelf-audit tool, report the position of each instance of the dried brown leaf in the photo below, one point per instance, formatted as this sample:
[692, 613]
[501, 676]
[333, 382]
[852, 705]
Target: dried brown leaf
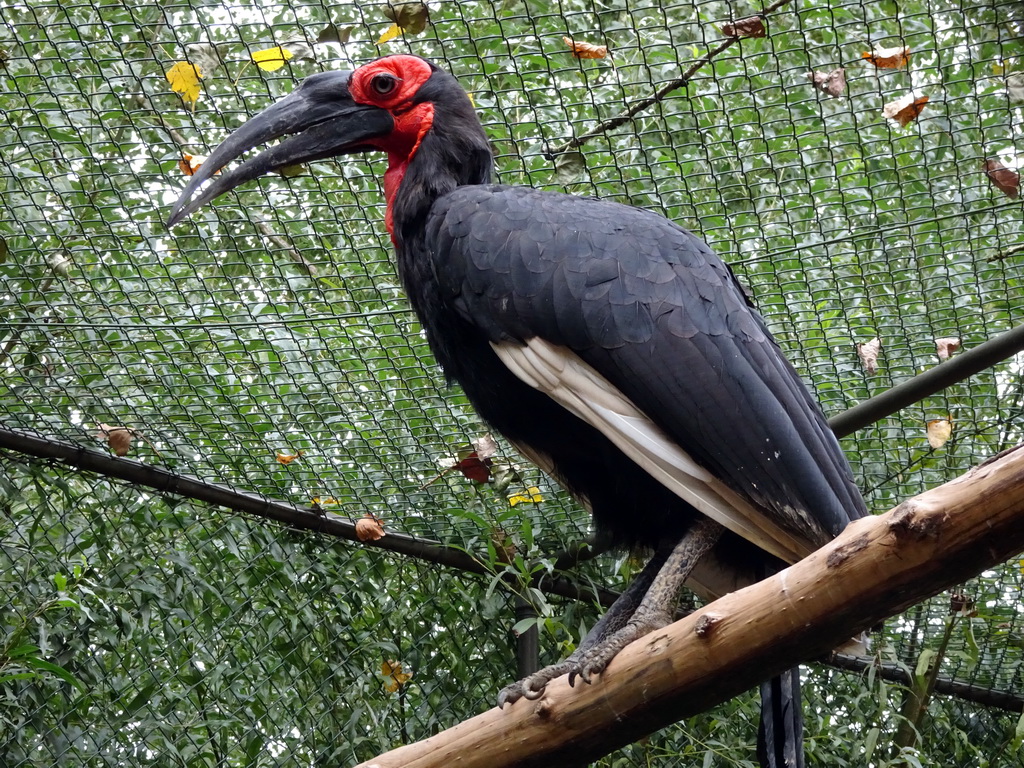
[485, 446]
[119, 439]
[1006, 180]
[1015, 86]
[585, 50]
[409, 17]
[504, 547]
[60, 263]
[207, 56]
[751, 26]
[189, 164]
[569, 166]
[868, 353]
[945, 347]
[939, 431]
[332, 33]
[961, 604]
[888, 58]
[395, 677]
[301, 49]
[906, 108]
[831, 83]
[369, 528]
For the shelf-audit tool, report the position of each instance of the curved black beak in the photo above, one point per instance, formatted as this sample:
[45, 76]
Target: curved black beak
[325, 122]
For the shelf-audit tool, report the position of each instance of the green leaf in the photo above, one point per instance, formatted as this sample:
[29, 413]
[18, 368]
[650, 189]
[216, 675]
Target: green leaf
[140, 699]
[60, 672]
[569, 167]
[524, 625]
[22, 650]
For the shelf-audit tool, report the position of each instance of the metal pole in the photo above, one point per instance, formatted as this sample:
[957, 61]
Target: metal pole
[928, 383]
[528, 642]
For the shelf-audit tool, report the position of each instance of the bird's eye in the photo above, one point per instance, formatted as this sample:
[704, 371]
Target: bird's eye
[383, 84]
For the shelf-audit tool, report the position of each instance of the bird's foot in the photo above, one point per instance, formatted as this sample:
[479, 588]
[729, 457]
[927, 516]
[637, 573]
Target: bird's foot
[532, 686]
[583, 664]
[596, 659]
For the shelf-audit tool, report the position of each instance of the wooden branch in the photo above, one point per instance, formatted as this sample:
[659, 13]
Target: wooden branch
[164, 480]
[878, 567]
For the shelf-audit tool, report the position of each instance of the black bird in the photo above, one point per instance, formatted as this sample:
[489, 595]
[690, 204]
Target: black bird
[608, 344]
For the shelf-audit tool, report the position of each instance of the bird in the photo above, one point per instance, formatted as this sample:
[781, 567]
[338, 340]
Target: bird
[608, 344]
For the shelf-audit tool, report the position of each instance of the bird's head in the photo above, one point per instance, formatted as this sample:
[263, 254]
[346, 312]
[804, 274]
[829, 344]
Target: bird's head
[389, 104]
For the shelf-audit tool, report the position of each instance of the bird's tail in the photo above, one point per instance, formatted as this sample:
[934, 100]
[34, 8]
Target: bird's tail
[780, 738]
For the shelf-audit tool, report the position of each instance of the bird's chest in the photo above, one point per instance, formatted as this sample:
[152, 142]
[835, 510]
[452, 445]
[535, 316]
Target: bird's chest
[460, 346]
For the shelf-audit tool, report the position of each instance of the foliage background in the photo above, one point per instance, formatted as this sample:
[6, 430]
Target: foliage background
[144, 629]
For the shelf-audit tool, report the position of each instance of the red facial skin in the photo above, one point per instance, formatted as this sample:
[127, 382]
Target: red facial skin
[403, 75]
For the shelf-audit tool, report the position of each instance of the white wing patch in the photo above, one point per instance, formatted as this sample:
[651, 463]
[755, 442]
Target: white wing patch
[584, 392]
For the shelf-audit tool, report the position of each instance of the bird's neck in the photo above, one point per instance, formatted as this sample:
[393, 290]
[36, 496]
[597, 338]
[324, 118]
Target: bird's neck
[393, 176]
[402, 145]
[440, 161]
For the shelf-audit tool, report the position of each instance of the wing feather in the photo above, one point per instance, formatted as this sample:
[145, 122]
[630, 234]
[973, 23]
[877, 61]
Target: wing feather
[581, 390]
[632, 324]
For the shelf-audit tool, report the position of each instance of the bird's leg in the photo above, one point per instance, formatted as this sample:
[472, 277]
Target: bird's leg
[614, 619]
[649, 603]
[658, 607]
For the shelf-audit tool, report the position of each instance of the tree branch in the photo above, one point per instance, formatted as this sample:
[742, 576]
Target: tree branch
[878, 567]
[304, 519]
[648, 101]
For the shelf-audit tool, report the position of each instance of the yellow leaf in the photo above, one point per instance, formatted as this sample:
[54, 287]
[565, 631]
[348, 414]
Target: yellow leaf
[939, 431]
[271, 59]
[184, 79]
[286, 458]
[532, 495]
[325, 501]
[392, 32]
[394, 677]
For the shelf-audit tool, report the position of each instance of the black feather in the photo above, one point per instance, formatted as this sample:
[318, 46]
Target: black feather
[658, 315]
[780, 735]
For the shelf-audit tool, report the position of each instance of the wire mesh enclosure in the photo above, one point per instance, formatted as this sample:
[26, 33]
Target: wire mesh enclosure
[855, 163]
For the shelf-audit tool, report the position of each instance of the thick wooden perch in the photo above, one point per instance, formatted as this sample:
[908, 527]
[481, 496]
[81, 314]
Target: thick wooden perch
[876, 568]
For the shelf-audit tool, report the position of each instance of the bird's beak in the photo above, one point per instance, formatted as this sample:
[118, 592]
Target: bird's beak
[321, 120]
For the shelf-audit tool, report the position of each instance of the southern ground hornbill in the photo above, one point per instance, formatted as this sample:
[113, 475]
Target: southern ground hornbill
[609, 345]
